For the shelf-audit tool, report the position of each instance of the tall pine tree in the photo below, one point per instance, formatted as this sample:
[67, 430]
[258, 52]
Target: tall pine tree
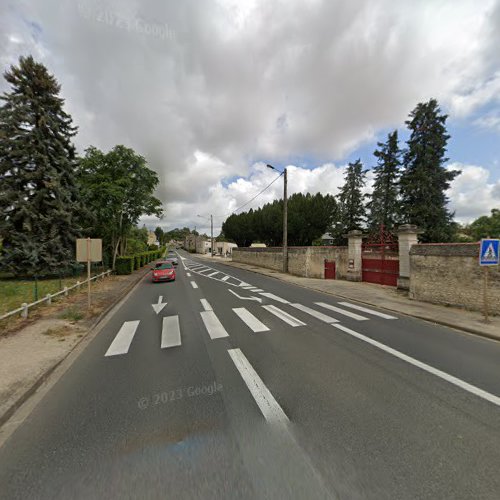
[425, 180]
[352, 211]
[384, 205]
[38, 194]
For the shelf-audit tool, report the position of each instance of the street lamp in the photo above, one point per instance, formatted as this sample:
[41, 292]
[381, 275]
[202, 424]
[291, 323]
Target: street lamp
[211, 233]
[285, 219]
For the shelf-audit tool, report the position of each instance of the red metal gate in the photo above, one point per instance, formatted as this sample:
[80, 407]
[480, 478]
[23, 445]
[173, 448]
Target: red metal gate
[380, 259]
[329, 269]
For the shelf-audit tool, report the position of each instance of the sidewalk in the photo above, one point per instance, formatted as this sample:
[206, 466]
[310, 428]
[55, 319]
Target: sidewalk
[385, 297]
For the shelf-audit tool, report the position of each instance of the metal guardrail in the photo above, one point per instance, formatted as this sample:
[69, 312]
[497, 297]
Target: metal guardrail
[23, 310]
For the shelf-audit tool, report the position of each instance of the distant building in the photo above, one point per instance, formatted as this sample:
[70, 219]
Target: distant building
[152, 239]
[224, 248]
[327, 239]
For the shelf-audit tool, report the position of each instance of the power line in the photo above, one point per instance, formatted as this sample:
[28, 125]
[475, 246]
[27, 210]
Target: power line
[250, 201]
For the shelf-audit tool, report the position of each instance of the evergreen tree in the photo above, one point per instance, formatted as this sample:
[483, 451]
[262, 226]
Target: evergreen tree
[384, 204]
[38, 195]
[352, 212]
[424, 180]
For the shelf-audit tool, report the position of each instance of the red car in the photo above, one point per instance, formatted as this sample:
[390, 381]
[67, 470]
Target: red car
[163, 271]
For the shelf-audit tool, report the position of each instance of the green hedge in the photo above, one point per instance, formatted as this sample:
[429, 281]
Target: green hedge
[124, 265]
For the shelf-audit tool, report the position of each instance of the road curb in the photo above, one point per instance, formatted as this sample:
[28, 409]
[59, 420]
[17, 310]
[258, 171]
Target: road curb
[424, 318]
[46, 374]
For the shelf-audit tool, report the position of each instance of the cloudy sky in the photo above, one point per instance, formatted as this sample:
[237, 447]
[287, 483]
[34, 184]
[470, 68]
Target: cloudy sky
[211, 90]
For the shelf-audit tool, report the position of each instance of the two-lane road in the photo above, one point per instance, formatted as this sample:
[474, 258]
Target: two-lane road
[229, 384]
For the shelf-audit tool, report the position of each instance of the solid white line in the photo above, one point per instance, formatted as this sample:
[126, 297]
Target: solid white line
[274, 297]
[213, 325]
[188, 274]
[269, 407]
[213, 274]
[123, 339]
[445, 376]
[171, 333]
[206, 305]
[287, 318]
[225, 278]
[316, 314]
[193, 284]
[355, 316]
[251, 321]
[366, 310]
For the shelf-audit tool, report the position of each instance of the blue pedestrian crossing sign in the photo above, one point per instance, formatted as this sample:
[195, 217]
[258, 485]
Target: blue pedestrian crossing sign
[488, 253]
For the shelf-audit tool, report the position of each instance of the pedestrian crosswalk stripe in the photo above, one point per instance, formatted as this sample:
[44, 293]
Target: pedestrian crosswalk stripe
[274, 297]
[367, 311]
[121, 343]
[316, 314]
[257, 290]
[206, 305]
[193, 284]
[287, 318]
[171, 333]
[349, 314]
[250, 320]
[213, 325]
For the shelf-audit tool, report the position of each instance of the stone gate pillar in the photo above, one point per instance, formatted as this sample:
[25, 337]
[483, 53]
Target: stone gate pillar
[355, 239]
[407, 237]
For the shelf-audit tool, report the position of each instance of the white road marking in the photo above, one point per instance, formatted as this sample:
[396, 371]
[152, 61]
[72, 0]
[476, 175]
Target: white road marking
[274, 297]
[342, 311]
[193, 284]
[248, 287]
[159, 306]
[287, 318]
[201, 271]
[257, 299]
[182, 258]
[123, 339]
[257, 290]
[225, 278]
[206, 305]
[171, 333]
[251, 321]
[445, 376]
[269, 407]
[366, 310]
[244, 284]
[316, 314]
[213, 274]
[195, 268]
[213, 325]
[188, 274]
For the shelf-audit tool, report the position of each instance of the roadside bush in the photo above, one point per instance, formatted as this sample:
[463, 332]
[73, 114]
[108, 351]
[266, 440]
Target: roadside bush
[124, 265]
[137, 259]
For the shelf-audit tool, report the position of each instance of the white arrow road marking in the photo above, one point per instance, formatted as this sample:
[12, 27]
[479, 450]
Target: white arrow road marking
[274, 297]
[257, 299]
[287, 318]
[269, 407]
[171, 333]
[206, 305]
[251, 321]
[123, 339]
[445, 376]
[367, 311]
[158, 307]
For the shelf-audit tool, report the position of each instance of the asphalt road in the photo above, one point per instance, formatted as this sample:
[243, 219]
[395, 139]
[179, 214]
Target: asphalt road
[242, 386]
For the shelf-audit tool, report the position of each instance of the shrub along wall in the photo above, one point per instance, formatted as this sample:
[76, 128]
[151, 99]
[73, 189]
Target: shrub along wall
[128, 263]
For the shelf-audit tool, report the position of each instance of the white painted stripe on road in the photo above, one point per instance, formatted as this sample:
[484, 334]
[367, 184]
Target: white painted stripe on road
[258, 290]
[349, 314]
[269, 407]
[213, 274]
[213, 325]
[248, 287]
[188, 274]
[430, 369]
[251, 321]
[200, 271]
[206, 305]
[244, 284]
[316, 314]
[274, 297]
[367, 311]
[123, 339]
[171, 332]
[287, 318]
[193, 284]
[225, 278]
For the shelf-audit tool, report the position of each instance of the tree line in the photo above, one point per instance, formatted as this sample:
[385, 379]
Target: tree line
[49, 196]
[409, 187]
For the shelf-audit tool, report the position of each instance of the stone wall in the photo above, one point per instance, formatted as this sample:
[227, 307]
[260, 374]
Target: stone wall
[302, 261]
[450, 274]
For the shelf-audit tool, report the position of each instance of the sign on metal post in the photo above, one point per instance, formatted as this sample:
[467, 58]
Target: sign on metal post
[488, 256]
[88, 250]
